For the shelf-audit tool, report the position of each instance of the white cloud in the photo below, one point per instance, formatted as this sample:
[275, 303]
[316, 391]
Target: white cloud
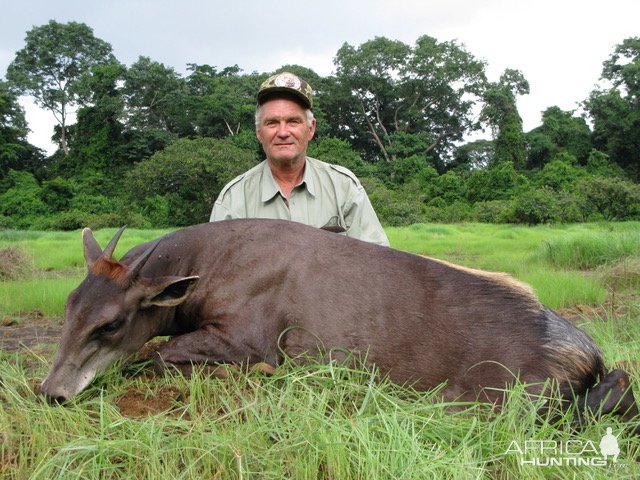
[41, 123]
[559, 45]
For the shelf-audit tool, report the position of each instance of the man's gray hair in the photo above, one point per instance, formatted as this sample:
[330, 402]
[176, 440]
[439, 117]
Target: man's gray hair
[307, 111]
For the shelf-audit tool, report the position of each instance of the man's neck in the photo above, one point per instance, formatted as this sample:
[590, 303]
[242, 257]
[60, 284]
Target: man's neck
[288, 176]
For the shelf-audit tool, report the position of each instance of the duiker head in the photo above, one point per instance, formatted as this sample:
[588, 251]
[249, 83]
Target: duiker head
[111, 314]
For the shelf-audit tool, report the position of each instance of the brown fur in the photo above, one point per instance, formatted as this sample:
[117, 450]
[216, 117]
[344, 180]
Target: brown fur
[500, 278]
[111, 269]
[253, 291]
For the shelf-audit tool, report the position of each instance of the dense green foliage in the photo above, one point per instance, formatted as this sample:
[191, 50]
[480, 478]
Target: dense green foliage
[15, 152]
[151, 147]
[177, 186]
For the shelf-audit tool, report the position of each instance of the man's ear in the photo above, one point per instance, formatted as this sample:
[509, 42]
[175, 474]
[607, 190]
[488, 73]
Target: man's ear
[312, 129]
[168, 291]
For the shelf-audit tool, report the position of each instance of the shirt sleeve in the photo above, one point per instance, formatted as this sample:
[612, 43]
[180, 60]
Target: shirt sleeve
[221, 210]
[362, 220]
[224, 206]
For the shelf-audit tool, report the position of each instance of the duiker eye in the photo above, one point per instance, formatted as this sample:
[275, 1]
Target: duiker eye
[110, 328]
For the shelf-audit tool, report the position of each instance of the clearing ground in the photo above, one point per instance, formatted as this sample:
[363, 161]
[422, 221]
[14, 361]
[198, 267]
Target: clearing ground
[29, 331]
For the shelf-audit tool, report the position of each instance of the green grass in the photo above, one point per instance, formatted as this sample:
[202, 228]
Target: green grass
[53, 251]
[585, 252]
[304, 422]
[58, 266]
[557, 261]
[46, 296]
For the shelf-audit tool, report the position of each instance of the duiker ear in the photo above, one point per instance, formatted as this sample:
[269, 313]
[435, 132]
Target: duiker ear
[92, 250]
[168, 291]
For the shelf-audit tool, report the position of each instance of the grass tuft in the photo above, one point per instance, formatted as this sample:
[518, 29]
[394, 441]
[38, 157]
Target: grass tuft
[585, 252]
[14, 263]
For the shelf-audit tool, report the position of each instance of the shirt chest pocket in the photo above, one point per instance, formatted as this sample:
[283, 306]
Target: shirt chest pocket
[335, 224]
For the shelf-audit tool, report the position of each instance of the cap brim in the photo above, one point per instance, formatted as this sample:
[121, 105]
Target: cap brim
[279, 92]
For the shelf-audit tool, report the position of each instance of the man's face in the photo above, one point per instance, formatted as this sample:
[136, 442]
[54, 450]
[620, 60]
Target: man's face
[283, 131]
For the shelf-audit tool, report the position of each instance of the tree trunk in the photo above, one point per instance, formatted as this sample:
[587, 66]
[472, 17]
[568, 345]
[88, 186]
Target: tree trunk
[63, 139]
[375, 134]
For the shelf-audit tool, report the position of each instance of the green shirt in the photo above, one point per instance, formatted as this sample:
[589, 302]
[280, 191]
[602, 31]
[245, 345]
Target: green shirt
[329, 195]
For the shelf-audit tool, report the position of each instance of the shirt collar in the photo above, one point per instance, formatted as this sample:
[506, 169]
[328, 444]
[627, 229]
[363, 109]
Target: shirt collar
[269, 187]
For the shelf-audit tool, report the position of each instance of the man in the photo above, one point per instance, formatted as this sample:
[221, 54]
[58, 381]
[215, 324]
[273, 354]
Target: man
[289, 185]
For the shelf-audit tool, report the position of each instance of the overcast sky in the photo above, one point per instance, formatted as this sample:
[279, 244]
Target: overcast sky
[559, 45]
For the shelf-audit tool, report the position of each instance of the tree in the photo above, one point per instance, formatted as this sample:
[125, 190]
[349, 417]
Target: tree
[13, 130]
[501, 113]
[178, 185]
[56, 55]
[13, 125]
[156, 109]
[560, 132]
[338, 151]
[97, 139]
[15, 151]
[473, 155]
[386, 93]
[367, 77]
[623, 68]
[156, 98]
[221, 103]
[615, 111]
[499, 182]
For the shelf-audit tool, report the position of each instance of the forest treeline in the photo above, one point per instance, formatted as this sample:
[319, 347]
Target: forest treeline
[150, 147]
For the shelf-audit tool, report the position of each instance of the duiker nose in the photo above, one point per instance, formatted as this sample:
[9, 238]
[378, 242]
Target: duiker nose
[52, 399]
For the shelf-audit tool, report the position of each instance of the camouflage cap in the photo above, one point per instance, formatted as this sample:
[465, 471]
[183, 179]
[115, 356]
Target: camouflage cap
[286, 83]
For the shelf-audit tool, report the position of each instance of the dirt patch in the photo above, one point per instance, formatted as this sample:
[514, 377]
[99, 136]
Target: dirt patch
[578, 312]
[28, 331]
[136, 403]
[615, 306]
